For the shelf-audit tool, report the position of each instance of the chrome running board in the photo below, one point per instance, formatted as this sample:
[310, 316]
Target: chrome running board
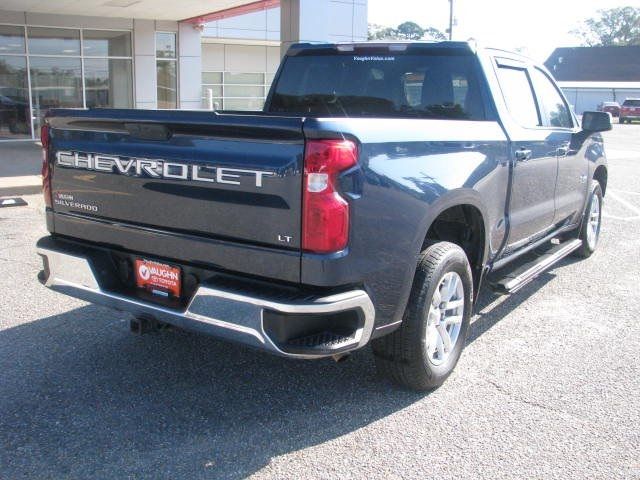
[517, 279]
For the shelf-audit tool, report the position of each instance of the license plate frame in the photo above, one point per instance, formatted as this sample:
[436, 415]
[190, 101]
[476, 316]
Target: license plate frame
[158, 278]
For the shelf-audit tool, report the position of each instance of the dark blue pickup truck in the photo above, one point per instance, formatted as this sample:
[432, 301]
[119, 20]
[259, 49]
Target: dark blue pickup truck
[382, 186]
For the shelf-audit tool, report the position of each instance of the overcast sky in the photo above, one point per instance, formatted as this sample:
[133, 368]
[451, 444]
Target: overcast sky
[537, 25]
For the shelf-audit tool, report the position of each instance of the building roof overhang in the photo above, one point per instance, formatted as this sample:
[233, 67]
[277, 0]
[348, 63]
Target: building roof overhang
[193, 11]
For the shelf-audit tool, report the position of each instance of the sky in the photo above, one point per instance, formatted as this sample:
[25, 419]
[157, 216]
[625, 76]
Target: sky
[537, 26]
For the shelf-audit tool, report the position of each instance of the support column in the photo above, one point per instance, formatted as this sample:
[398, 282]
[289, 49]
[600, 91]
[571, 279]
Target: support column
[190, 67]
[303, 21]
[144, 53]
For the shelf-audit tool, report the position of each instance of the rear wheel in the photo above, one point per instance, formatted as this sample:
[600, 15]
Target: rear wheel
[422, 353]
[590, 230]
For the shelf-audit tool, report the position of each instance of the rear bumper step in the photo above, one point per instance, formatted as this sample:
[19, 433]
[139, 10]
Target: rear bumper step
[294, 328]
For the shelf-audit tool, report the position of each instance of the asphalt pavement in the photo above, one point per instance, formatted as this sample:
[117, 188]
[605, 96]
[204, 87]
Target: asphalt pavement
[548, 386]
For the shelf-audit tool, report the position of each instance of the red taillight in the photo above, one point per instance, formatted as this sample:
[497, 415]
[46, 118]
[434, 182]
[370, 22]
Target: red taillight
[325, 217]
[46, 170]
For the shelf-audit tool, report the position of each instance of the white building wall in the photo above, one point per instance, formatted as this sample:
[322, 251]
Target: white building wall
[329, 20]
[254, 43]
[144, 62]
[262, 25]
[189, 67]
[221, 57]
[587, 99]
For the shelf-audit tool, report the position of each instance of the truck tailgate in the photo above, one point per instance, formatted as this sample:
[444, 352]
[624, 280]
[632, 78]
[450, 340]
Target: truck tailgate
[229, 177]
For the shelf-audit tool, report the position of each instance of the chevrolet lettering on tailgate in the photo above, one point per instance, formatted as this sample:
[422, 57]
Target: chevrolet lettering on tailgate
[158, 168]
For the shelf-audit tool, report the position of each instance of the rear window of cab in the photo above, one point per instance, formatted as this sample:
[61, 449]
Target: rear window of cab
[385, 85]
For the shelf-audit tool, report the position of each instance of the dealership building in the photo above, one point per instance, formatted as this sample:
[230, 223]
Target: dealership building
[191, 54]
[589, 76]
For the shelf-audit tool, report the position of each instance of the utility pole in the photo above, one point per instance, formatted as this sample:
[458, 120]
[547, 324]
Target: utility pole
[450, 19]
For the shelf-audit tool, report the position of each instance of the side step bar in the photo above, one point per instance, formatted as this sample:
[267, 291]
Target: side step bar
[517, 279]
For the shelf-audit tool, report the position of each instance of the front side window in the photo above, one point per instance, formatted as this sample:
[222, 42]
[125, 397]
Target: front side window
[518, 95]
[166, 70]
[403, 85]
[554, 110]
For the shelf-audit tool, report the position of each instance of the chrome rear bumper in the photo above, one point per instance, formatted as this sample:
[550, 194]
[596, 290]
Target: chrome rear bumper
[223, 313]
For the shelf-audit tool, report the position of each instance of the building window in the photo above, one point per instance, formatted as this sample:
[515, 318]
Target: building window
[53, 41]
[15, 118]
[55, 83]
[108, 76]
[108, 82]
[67, 68]
[235, 90]
[167, 70]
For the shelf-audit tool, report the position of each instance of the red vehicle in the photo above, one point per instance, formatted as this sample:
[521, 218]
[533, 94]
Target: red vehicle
[630, 110]
[611, 107]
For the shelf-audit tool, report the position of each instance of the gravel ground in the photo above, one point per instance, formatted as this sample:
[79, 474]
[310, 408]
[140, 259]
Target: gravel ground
[548, 386]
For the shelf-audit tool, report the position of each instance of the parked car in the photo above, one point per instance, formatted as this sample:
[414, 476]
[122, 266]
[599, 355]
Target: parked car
[611, 107]
[382, 186]
[630, 110]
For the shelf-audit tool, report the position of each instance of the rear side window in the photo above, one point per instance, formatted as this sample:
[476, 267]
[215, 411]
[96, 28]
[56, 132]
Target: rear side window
[631, 103]
[518, 95]
[554, 110]
[404, 85]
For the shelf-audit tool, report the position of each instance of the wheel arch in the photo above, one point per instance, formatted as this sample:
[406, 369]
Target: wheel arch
[459, 217]
[601, 175]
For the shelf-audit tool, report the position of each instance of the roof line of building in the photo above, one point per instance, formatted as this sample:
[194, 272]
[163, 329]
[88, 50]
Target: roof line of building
[233, 11]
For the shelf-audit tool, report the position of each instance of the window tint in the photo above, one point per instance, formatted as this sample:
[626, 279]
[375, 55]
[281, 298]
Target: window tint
[518, 95]
[403, 85]
[631, 103]
[554, 110]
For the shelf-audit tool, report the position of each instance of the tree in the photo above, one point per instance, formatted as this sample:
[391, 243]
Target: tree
[613, 27]
[434, 34]
[410, 31]
[404, 31]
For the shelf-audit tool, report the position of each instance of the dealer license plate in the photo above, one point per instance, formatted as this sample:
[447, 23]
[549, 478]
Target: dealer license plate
[158, 278]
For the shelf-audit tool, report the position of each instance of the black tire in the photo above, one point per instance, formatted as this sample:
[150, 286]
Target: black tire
[402, 355]
[588, 247]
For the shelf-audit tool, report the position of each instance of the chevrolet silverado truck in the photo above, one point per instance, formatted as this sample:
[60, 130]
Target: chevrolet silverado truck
[380, 188]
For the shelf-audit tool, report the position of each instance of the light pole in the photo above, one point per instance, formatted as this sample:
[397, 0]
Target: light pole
[450, 19]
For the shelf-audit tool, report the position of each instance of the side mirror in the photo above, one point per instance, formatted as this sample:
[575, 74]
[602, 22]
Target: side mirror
[596, 121]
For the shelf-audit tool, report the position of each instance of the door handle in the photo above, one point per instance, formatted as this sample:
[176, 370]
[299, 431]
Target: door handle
[523, 154]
